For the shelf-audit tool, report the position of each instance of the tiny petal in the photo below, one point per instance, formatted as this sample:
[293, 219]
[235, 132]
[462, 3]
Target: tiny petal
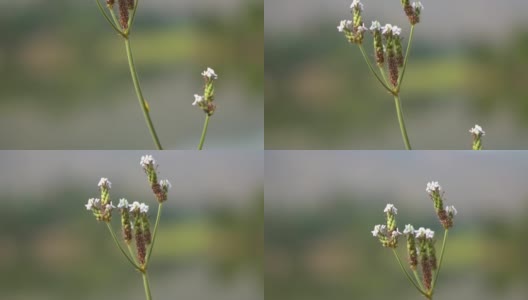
[429, 234]
[165, 184]
[418, 5]
[375, 25]
[357, 5]
[91, 203]
[209, 73]
[197, 99]
[147, 160]
[135, 206]
[408, 229]
[104, 182]
[379, 229]
[361, 29]
[451, 210]
[420, 232]
[477, 130]
[390, 209]
[109, 206]
[123, 203]
[396, 233]
[432, 187]
[143, 208]
[386, 29]
[396, 30]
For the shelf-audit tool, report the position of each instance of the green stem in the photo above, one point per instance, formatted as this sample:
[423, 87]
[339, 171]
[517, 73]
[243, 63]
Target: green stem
[146, 285]
[407, 274]
[132, 254]
[113, 24]
[440, 261]
[373, 71]
[133, 17]
[204, 132]
[407, 51]
[154, 234]
[418, 279]
[109, 226]
[141, 99]
[382, 72]
[401, 121]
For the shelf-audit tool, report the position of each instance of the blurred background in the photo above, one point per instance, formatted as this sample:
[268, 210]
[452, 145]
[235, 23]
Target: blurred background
[463, 69]
[209, 243]
[321, 207]
[64, 76]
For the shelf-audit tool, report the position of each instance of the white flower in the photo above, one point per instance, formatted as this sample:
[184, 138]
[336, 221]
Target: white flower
[429, 234]
[408, 229]
[197, 99]
[379, 229]
[357, 5]
[362, 29]
[451, 210]
[396, 30]
[390, 209]
[387, 28]
[344, 24]
[91, 203]
[109, 206]
[375, 25]
[417, 5]
[396, 233]
[134, 206]
[104, 182]
[477, 130]
[147, 160]
[422, 232]
[143, 208]
[165, 184]
[123, 203]
[209, 73]
[432, 187]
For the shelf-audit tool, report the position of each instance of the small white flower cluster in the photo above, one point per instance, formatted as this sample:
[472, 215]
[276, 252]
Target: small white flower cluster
[382, 230]
[165, 184]
[375, 26]
[424, 233]
[417, 6]
[210, 74]
[146, 161]
[104, 182]
[477, 130]
[451, 210]
[95, 203]
[134, 207]
[198, 99]
[356, 4]
[388, 28]
[433, 187]
[390, 209]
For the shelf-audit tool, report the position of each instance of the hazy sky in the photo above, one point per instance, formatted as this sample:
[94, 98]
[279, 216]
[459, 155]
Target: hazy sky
[476, 183]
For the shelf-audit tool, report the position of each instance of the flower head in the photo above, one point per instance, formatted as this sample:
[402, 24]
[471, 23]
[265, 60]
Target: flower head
[375, 26]
[361, 29]
[451, 211]
[417, 6]
[165, 184]
[147, 160]
[197, 99]
[134, 206]
[379, 229]
[210, 74]
[396, 233]
[356, 4]
[477, 130]
[143, 208]
[432, 187]
[345, 25]
[390, 209]
[104, 183]
[424, 233]
[409, 229]
[123, 203]
[92, 202]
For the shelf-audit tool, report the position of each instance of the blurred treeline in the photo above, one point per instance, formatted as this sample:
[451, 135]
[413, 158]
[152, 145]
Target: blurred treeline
[329, 253]
[52, 248]
[321, 95]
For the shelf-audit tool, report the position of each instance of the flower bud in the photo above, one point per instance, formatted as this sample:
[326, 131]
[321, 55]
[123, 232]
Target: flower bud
[477, 134]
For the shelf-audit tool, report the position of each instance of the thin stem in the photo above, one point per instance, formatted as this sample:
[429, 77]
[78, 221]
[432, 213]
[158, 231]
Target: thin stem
[418, 279]
[109, 226]
[133, 17]
[146, 285]
[440, 261]
[373, 71]
[132, 254]
[407, 274]
[407, 51]
[101, 9]
[382, 72]
[141, 99]
[401, 121]
[204, 132]
[149, 251]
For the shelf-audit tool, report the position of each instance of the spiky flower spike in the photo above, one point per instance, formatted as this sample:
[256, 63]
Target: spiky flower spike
[205, 101]
[375, 28]
[411, 246]
[436, 193]
[392, 33]
[412, 11]
[388, 234]
[149, 166]
[106, 205]
[423, 235]
[136, 209]
[125, 220]
[123, 13]
[354, 30]
[477, 134]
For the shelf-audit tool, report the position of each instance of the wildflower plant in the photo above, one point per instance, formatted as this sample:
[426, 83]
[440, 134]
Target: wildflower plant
[389, 56]
[420, 243]
[134, 219]
[121, 19]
